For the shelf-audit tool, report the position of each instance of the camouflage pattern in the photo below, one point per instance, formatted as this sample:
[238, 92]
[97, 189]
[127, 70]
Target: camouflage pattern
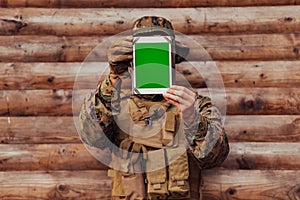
[152, 24]
[209, 144]
[152, 21]
[206, 136]
[119, 55]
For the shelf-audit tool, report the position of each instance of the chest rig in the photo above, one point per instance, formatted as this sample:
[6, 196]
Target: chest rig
[154, 124]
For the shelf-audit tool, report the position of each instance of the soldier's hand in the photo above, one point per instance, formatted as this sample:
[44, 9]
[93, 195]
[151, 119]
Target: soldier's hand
[184, 99]
[120, 55]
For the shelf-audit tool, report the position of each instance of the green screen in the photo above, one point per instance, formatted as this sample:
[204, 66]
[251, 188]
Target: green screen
[152, 65]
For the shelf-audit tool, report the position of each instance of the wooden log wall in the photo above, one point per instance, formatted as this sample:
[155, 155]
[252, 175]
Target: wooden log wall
[255, 45]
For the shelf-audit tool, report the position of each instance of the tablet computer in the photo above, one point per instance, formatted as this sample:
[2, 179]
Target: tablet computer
[152, 64]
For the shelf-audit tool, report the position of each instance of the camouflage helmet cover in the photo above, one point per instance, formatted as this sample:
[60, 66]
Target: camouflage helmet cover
[151, 25]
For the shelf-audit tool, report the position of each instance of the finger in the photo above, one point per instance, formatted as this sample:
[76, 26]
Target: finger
[183, 94]
[124, 41]
[186, 90]
[128, 38]
[119, 58]
[180, 101]
[175, 103]
[120, 50]
[172, 97]
[182, 91]
[180, 106]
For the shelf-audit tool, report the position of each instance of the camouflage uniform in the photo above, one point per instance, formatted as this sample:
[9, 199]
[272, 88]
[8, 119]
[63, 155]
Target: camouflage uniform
[208, 142]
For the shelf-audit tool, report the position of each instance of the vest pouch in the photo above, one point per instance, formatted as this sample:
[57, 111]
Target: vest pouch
[117, 188]
[157, 176]
[130, 183]
[133, 178]
[157, 184]
[127, 185]
[178, 183]
[195, 179]
[134, 186]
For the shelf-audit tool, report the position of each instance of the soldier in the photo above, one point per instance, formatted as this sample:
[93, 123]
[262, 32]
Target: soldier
[154, 167]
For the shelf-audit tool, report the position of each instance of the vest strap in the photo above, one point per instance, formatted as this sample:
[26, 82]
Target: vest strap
[142, 110]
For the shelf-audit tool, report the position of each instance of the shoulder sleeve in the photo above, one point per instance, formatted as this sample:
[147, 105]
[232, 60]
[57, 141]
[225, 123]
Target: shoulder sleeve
[96, 117]
[209, 143]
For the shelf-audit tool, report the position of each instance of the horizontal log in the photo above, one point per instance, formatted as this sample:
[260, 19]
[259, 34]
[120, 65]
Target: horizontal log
[240, 101]
[240, 128]
[234, 74]
[259, 101]
[36, 102]
[38, 130]
[222, 47]
[140, 4]
[36, 21]
[263, 156]
[28, 76]
[251, 184]
[47, 157]
[218, 184]
[255, 128]
[243, 73]
[49, 75]
[55, 185]
[75, 157]
[46, 48]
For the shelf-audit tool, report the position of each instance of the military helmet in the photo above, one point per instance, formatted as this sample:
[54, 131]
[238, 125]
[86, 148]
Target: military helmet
[154, 25]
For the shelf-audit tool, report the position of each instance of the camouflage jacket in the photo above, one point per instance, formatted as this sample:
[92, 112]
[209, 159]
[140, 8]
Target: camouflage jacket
[208, 140]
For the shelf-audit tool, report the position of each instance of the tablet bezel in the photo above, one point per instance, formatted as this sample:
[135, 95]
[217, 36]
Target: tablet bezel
[152, 39]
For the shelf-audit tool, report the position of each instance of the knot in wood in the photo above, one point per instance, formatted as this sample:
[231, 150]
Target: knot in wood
[231, 191]
[61, 187]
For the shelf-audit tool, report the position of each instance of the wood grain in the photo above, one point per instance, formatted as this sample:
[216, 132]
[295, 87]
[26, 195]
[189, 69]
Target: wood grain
[60, 130]
[208, 47]
[141, 4]
[17, 157]
[251, 184]
[55, 185]
[218, 184]
[46, 48]
[268, 128]
[28, 76]
[240, 101]
[260, 101]
[264, 155]
[47, 157]
[243, 74]
[36, 102]
[38, 21]
[38, 130]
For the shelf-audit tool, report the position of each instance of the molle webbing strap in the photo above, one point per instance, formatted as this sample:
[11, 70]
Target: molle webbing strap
[148, 111]
[130, 147]
[138, 111]
[170, 122]
[143, 110]
[169, 128]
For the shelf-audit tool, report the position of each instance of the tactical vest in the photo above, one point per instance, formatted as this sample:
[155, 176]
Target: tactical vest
[154, 130]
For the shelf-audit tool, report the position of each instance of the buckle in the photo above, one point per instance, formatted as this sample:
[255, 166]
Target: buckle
[148, 121]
